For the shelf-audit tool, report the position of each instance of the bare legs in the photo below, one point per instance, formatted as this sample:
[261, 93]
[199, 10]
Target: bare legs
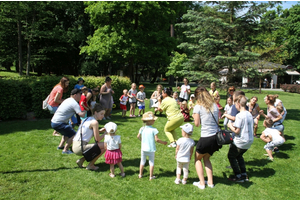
[208, 168]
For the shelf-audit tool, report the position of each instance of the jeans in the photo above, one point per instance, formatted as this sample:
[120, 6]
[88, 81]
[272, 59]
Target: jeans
[235, 157]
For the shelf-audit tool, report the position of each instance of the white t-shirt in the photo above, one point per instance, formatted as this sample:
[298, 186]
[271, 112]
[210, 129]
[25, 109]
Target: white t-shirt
[132, 93]
[228, 109]
[112, 142]
[276, 138]
[142, 96]
[184, 152]
[244, 121]
[87, 132]
[183, 92]
[66, 110]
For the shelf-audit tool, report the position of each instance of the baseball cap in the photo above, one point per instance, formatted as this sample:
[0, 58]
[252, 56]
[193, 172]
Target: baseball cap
[110, 127]
[188, 128]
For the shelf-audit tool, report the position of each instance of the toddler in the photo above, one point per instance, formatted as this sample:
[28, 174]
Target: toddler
[227, 110]
[141, 97]
[192, 102]
[175, 96]
[272, 137]
[184, 152]
[185, 111]
[123, 101]
[132, 99]
[112, 144]
[217, 100]
[148, 135]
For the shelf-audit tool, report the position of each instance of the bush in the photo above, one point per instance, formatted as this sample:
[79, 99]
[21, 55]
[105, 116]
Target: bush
[293, 88]
[24, 94]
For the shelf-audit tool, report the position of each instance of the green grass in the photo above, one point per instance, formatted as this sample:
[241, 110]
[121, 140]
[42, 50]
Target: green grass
[32, 168]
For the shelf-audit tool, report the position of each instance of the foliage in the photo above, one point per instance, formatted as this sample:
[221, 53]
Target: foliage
[293, 88]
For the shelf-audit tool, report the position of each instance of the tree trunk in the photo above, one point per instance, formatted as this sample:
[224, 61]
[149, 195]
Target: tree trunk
[155, 75]
[20, 47]
[28, 58]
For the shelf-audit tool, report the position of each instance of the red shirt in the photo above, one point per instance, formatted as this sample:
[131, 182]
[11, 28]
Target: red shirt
[83, 99]
[53, 93]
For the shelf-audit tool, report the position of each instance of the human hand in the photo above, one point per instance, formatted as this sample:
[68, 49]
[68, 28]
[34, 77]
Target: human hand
[165, 143]
[261, 112]
[102, 130]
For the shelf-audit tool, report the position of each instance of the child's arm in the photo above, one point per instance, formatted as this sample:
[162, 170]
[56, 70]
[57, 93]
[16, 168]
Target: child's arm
[105, 145]
[139, 136]
[177, 149]
[160, 141]
[234, 129]
[120, 146]
[82, 104]
[191, 151]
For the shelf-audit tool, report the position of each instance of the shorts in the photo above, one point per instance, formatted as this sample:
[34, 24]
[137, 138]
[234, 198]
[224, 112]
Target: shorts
[64, 129]
[141, 107]
[123, 107]
[182, 99]
[207, 145]
[76, 147]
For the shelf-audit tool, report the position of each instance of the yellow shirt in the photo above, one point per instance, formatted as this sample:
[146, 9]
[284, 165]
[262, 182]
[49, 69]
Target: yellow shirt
[169, 105]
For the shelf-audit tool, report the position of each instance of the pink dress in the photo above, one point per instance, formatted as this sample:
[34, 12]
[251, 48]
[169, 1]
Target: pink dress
[220, 113]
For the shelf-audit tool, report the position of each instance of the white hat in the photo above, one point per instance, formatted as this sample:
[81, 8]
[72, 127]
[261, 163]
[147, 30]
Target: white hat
[188, 128]
[110, 127]
[192, 95]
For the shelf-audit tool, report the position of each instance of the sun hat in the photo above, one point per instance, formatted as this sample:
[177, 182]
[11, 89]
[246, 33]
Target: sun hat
[141, 86]
[80, 79]
[188, 128]
[148, 116]
[110, 127]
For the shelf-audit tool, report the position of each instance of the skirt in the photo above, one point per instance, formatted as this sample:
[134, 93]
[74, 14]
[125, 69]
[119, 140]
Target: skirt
[207, 145]
[113, 156]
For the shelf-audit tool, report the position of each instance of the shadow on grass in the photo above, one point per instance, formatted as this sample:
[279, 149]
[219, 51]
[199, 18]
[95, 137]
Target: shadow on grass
[38, 170]
[288, 137]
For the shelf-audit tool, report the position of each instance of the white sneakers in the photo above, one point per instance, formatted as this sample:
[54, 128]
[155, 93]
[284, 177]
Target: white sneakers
[202, 187]
[173, 144]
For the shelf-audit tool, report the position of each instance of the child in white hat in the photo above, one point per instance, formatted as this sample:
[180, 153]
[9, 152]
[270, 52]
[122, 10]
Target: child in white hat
[148, 135]
[184, 152]
[112, 144]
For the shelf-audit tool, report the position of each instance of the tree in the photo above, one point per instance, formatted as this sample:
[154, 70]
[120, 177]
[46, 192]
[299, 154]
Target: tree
[220, 37]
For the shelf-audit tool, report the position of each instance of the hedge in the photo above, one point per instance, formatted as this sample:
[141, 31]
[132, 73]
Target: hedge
[293, 88]
[26, 94]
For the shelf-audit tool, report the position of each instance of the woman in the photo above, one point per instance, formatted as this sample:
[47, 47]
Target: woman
[254, 110]
[175, 118]
[105, 97]
[154, 98]
[185, 91]
[90, 128]
[207, 144]
[55, 98]
[230, 91]
[272, 112]
[278, 102]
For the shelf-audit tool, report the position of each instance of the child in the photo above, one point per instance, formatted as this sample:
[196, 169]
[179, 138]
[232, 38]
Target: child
[192, 101]
[79, 84]
[185, 111]
[227, 110]
[83, 102]
[217, 100]
[243, 129]
[175, 96]
[123, 101]
[184, 152]
[112, 144]
[148, 135]
[141, 97]
[272, 137]
[213, 92]
[132, 99]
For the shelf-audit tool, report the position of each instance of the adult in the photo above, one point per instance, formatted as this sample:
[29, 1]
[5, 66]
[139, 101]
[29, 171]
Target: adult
[185, 91]
[106, 92]
[213, 92]
[154, 98]
[254, 110]
[91, 98]
[56, 94]
[89, 128]
[59, 121]
[272, 83]
[175, 118]
[272, 112]
[207, 144]
[278, 102]
[230, 91]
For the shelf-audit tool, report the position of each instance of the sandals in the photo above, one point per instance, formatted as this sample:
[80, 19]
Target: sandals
[140, 175]
[112, 175]
[92, 168]
[151, 178]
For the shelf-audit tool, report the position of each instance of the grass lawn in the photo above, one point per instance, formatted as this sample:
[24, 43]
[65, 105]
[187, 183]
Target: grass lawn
[32, 168]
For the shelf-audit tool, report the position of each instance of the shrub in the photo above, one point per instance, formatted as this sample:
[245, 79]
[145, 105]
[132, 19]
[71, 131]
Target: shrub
[291, 88]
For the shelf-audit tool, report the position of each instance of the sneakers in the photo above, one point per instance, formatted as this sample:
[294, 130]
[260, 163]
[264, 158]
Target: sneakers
[270, 159]
[197, 184]
[276, 150]
[236, 179]
[173, 144]
[177, 181]
[245, 177]
[183, 182]
[130, 115]
[140, 176]
[151, 178]
[139, 115]
[67, 152]
[122, 174]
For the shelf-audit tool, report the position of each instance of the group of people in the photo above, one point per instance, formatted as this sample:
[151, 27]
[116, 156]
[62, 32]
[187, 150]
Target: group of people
[241, 118]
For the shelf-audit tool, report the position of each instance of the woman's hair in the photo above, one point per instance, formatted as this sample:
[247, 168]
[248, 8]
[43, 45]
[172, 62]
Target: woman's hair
[213, 83]
[255, 98]
[198, 90]
[279, 108]
[107, 79]
[97, 108]
[62, 83]
[84, 89]
[271, 98]
[269, 122]
[168, 91]
[159, 85]
[231, 88]
[241, 99]
[204, 98]
[238, 93]
[276, 96]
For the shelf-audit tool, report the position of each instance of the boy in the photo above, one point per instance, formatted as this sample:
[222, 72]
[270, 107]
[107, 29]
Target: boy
[184, 152]
[272, 137]
[123, 101]
[148, 135]
[243, 129]
[141, 97]
[83, 101]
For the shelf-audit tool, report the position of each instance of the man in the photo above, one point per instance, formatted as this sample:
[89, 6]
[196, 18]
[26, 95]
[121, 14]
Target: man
[59, 121]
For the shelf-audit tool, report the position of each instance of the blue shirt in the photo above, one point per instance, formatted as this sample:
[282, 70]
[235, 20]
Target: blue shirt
[148, 138]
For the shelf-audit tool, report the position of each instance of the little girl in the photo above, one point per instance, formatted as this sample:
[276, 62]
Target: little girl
[148, 135]
[175, 96]
[112, 144]
[192, 101]
[227, 110]
[132, 99]
[217, 100]
[185, 111]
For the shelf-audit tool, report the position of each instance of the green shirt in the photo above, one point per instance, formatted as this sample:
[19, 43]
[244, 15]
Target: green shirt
[169, 105]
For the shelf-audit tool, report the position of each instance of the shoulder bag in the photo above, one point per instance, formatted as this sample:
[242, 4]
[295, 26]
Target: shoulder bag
[223, 136]
[92, 152]
[45, 103]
